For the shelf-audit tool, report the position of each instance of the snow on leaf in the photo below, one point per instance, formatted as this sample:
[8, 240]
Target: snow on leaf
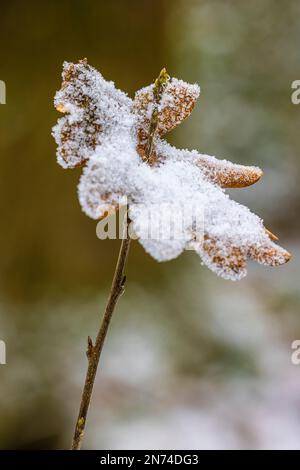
[94, 109]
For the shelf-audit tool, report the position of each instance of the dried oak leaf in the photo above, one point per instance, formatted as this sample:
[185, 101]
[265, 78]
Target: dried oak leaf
[119, 143]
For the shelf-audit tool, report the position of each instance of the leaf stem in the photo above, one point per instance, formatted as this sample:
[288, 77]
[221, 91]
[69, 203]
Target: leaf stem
[158, 89]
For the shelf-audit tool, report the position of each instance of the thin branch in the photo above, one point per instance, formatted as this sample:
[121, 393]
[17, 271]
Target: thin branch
[94, 351]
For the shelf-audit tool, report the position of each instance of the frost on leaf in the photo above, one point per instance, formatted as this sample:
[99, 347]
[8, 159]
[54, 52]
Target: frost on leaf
[93, 108]
[176, 104]
[119, 143]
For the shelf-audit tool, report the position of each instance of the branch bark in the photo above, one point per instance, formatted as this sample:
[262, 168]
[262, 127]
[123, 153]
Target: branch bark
[94, 350]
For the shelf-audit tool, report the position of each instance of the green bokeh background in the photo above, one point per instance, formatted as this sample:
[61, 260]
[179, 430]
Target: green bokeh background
[192, 361]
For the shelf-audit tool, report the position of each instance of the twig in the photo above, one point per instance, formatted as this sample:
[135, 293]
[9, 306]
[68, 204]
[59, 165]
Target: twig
[94, 351]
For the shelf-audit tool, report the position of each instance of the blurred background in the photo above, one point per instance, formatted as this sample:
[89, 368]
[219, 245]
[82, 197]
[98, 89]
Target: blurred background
[191, 361]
